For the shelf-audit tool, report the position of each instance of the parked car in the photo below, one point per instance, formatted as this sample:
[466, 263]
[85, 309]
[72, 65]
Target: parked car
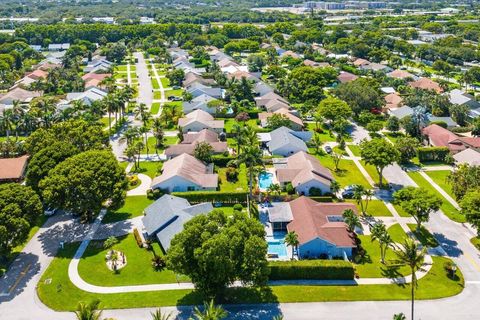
[50, 211]
[174, 98]
[176, 87]
[348, 191]
[328, 149]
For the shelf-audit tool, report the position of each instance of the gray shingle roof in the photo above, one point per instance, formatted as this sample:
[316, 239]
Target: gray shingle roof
[284, 136]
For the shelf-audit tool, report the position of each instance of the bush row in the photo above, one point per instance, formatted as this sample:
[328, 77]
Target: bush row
[432, 153]
[213, 196]
[311, 269]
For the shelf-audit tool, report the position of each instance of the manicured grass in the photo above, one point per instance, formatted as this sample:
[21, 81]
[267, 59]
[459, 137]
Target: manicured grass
[157, 95]
[165, 82]
[93, 269]
[393, 136]
[440, 178]
[61, 295]
[347, 174]
[423, 235]
[229, 122]
[12, 137]
[375, 208]
[355, 149]
[370, 265]
[448, 209]
[396, 233]
[155, 108]
[324, 136]
[155, 84]
[340, 151]
[476, 242]
[123, 164]
[372, 172]
[150, 168]
[239, 185]
[133, 207]
[177, 92]
[401, 212]
[121, 68]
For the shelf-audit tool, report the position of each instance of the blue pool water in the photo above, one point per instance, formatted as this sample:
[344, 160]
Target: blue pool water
[276, 245]
[265, 180]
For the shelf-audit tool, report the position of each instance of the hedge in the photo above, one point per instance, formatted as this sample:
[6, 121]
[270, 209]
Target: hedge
[432, 153]
[322, 198]
[221, 160]
[311, 269]
[213, 196]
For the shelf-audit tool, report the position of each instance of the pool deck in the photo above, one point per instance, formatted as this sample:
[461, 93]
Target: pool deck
[274, 178]
[269, 233]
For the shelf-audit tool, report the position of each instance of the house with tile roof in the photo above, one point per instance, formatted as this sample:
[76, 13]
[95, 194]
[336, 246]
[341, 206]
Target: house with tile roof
[185, 173]
[426, 84]
[198, 120]
[166, 217]
[18, 94]
[461, 98]
[295, 122]
[467, 156]
[320, 227]
[13, 169]
[440, 137]
[199, 103]
[345, 77]
[392, 101]
[285, 142]
[400, 74]
[304, 172]
[190, 141]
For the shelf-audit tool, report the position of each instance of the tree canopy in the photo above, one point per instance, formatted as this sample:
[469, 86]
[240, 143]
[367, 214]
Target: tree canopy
[215, 250]
[379, 153]
[417, 202]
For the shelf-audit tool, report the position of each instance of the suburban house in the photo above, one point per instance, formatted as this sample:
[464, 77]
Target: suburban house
[467, 156]
[100, 64]
[192, 78]
[284, 141]
[426, 84]
[186, 173]
[31, 77]
[197, 89]
[261, 88]
[165, 217]
[461, 98]
[88, 97]
[373, 66]
[441, 137]
[295, 122]
[240, 74]
[319, 226]
[360, 62]
[13, 169]
[191, 139]
[345, 77]
[58, 46]
[392, 101]
[94, 79]
[199, 103]
[401, 112]
[304, 172]
[290, 54]
[272, 102]
[198, 120]
[400, 74]
[18, 94]
[316, 64]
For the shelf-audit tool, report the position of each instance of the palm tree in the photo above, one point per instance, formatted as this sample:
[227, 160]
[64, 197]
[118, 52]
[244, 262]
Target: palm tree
[410, 254]
[142, 113]
[334, 186]
[274, 188]
[351, 220]
[317, 142]
[379, 233]
[251, 156]
[158, 133]
[110, 104]
[291, 239]
[399, 316]
[88, 311]
[367, 194]
[158, 315]
[130, 135]
[144, 130]
[210, 312]
[6, 121]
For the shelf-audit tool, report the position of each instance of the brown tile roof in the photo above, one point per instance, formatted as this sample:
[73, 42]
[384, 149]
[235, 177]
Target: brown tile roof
[12, 169]
[393, 100]
[96, 76]
[400, 74]
[310, 221]
[344, 77]
[441, 137]
[263, 116]
[426, 84]
[189, 168]
[20, 94]
[303, 167]
[37, 74]
[360, 62]
[190, 140]
[202, 117]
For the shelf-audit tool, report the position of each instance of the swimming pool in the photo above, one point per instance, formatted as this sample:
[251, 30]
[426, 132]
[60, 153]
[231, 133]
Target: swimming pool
[265, 180]
[276, 245]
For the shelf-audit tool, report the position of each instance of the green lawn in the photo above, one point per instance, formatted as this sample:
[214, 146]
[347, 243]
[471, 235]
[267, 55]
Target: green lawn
[133, 207]
[157, 95]
[150, 168]
[324, 136]
[123, 164]
[393, 136]
[155, 108]
[93, 269]
[401, 212]
[370, 265]
[240, 185]
[396, 233]
[121, 68]
[229, 122]
[155, 84]
[423, 235]
[440, 178]
[348, 172]
[355, 149]
[375, 208]
[372, 172]
[447, 208]
[165, 82]
[61, 295]
[177, 92]
[476, 242]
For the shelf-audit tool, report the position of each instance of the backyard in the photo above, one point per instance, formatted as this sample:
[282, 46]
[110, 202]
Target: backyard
[229, 186]
[133, 207]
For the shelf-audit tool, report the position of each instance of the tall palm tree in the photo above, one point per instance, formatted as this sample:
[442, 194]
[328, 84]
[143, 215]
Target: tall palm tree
[158, 133]
[410, 254]
[351, 220]
[334, 186]
[251, 156]
[274, 188]
[142, 113]
[399, 316]
[158, 315]
[6, 121]
[291, 239]
[210, 312]
[379, 233]
[88, 311]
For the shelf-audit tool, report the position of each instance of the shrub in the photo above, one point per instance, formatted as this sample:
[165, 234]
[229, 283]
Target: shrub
[289, 188]
[314, 191]
[221, 160]
[231, 174]
[138, 237]
[324, 198]
[158, 263]
[432, 153]
[133, 180]
[155, 194]
[213, 196]
[311, 269]
[238, 207]
[442, 124]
